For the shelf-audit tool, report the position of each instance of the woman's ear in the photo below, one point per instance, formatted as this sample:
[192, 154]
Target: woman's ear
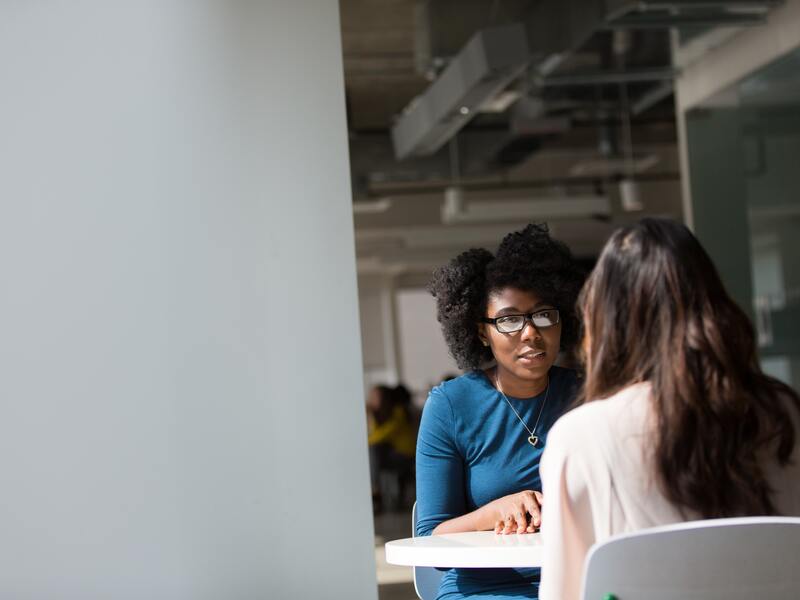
[482, 334]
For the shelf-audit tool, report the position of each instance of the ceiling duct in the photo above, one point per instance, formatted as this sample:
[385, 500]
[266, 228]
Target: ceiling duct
[556, 29]
[458, 210]
[551, 36]
[659, 14]
[491, 60]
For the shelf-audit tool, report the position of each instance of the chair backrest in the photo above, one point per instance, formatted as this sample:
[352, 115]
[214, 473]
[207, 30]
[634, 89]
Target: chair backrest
[730, 559]
[426, 579]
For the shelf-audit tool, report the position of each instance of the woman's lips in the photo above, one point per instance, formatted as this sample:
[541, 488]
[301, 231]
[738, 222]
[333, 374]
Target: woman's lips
[532, 358]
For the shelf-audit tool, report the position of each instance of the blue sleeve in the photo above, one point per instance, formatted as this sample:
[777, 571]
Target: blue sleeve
[440, 468]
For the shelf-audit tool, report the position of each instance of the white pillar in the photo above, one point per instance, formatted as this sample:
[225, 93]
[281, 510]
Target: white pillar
[181, 408]
[391, 331]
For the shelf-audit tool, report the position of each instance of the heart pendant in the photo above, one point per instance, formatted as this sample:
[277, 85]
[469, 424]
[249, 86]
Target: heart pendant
[533, 440]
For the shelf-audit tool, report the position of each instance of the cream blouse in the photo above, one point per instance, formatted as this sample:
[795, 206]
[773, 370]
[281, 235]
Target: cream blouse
[598, 481]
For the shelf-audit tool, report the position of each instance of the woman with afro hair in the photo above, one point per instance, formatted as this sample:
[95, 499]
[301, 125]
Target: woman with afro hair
[505, 318]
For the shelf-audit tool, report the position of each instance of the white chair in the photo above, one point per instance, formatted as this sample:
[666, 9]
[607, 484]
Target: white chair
[754, 558]
[426, 579]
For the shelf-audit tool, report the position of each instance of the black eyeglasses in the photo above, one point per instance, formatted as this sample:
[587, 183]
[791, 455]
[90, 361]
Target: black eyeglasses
[541, 319]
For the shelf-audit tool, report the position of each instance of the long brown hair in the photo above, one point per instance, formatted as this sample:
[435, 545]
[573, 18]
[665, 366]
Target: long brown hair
[656, 311]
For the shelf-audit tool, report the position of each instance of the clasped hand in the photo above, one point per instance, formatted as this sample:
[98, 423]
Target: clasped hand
[517, 513]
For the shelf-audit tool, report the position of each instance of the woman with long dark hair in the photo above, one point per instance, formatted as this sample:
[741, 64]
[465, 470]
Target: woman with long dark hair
[678, 421]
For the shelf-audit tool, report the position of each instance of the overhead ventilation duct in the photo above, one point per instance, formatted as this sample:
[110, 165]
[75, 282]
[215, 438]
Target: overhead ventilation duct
[557, 29]
[659, 14]
[491, 60]
[548, 35]
[457, 210]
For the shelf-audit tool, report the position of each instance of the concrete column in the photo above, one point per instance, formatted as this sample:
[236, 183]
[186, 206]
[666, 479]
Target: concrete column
[181, 408]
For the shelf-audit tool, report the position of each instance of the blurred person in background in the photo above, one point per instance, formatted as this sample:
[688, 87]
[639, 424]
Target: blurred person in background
[677, 422]
[505, 318]
[392, 439]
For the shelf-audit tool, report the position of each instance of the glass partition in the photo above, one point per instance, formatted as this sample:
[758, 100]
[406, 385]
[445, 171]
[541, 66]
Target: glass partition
[744, 156]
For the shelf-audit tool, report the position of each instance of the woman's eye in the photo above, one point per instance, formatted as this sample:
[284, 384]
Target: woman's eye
[509, 320]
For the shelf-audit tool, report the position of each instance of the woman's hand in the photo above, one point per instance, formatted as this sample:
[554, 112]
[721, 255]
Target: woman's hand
[517, 513]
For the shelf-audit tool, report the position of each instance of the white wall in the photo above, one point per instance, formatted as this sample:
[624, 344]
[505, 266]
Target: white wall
[425, 356]
[379, 341]
[401, 338]
[174, 187]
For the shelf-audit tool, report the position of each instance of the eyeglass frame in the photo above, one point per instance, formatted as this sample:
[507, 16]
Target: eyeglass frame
[527, 318]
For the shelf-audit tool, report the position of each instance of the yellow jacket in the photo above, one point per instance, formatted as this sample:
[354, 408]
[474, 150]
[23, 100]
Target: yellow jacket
[396, 431]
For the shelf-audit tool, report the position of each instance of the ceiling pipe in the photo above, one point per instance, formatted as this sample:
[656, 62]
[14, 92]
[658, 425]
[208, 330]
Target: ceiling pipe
[607, 77]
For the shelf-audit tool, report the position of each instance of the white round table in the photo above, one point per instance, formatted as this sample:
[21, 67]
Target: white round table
[475, 549]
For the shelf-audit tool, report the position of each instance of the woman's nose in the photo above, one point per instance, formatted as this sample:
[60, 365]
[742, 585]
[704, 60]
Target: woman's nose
[529, 331]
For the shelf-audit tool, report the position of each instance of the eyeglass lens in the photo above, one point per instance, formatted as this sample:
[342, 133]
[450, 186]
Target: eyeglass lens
[512, 323]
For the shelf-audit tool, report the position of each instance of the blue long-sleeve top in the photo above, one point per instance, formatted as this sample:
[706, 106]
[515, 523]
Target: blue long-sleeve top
[471, 450]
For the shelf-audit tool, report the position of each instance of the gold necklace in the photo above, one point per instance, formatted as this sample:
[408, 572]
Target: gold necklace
[533, 439]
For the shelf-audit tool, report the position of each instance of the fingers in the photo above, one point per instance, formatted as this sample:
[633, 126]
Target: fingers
[509, 525]
[514, 511]
[506, 525]
[540, 501]
[532, 502]
[522, 522]
[516, 522]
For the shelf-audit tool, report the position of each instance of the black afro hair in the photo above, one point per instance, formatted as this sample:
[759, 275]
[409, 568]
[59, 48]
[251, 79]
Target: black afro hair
[528, 260]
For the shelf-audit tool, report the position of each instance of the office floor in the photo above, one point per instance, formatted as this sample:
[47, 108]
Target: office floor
[394, 583]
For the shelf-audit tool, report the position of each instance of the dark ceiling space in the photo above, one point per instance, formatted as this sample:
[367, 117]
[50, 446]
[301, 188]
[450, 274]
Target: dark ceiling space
[588, 105]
